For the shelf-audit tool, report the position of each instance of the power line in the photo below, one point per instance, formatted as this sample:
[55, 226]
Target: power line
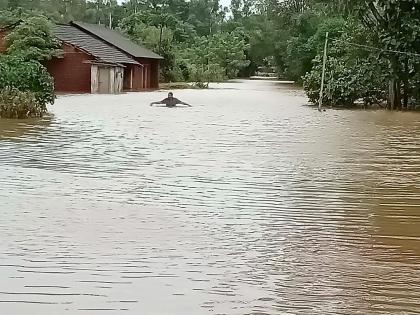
[379, 49]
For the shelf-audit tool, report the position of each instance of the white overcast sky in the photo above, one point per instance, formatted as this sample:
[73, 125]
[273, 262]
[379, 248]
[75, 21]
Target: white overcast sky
[222, 2]
[225, 2]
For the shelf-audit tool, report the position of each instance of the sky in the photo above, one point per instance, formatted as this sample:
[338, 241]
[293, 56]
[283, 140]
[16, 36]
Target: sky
[222, 2]
[225, 2]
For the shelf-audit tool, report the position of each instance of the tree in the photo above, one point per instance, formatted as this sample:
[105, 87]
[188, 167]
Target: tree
[9, 17]
[4, 4]
[241, 9]
[133, 5]
[33, 39]
[206, 16]
[397, 28]
[27, 76]
[155, 31]
[200, 60]
[229, 52]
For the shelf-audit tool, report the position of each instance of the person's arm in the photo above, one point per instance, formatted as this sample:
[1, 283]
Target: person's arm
[159, 102]
[183, 103]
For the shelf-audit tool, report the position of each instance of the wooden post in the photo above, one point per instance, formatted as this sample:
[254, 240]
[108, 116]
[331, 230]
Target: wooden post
[160, 39]
[131, 78]
[321, 92]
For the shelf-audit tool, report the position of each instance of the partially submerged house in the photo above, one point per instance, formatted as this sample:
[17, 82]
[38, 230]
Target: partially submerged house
[99, 60]
[145, 78]
[89, 65]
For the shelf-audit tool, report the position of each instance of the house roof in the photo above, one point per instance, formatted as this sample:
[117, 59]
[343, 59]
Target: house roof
[118, 40]
[92, 45]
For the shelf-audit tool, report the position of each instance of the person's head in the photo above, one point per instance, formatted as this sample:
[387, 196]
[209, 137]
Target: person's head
[170, 95]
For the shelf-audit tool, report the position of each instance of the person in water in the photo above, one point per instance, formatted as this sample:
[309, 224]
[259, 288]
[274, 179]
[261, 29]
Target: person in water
[170, 101]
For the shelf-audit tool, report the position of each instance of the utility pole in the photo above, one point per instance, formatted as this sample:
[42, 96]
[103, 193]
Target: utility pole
[109, 4]
[321, 92]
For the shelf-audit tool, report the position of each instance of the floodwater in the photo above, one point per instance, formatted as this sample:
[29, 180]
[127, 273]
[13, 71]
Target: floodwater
[247, 203]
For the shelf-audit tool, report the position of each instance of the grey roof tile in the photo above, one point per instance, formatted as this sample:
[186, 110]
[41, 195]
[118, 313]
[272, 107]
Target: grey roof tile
[92, 45]
[118, 40]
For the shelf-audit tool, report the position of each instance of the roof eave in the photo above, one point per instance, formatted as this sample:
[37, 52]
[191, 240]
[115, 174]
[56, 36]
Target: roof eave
[148, 57]
[80, 26]
[134, 62]
[104, 63]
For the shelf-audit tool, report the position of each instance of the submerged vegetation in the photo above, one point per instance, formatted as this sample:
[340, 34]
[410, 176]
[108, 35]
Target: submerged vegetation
[25, 88]
[373, 53]
[17, 104]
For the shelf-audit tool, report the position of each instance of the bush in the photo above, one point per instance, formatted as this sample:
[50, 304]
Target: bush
[202, 75]
[346, 82]
[27, 76]
[18, 104]
[176, 86]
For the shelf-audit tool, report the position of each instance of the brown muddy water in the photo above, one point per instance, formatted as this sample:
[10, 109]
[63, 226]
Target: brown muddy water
[247, 203]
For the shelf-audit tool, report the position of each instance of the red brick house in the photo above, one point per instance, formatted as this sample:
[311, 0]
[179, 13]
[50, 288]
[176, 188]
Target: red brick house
[91, 64]
[145, 78]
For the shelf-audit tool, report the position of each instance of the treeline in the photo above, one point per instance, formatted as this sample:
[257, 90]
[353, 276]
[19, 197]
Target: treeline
[373, 52]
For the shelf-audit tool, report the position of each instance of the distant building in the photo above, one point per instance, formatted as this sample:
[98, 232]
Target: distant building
[99, 60]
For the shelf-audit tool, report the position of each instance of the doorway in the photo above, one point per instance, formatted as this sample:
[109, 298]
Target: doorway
[104, 80]
[128, 79]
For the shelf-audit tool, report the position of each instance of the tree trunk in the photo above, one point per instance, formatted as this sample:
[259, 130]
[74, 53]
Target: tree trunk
[398, 94]
[406, 84]
[394, 96]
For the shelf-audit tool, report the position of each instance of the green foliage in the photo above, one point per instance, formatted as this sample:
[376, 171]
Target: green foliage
[363, 63]
[304, 47]
[351, 74]
[202, 74]
[396, 27]
[200, 64]
[206, 16]
[346, 82]
[229, 52]
[156, 34]
[176, 86]
[33, 39]
[18, 105]
[8, 17]
[27, 76]
[187, 56]
[212, 58]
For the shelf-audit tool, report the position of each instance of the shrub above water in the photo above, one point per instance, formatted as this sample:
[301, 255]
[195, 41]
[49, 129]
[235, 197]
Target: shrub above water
[26, 88]
[27, 76]
[17, 104]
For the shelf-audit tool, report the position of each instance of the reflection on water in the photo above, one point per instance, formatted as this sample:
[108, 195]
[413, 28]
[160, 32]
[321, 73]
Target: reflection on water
[16, 128]
[247, 203]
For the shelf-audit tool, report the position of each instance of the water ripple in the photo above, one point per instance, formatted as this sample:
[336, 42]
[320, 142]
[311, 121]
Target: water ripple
[247, 203]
